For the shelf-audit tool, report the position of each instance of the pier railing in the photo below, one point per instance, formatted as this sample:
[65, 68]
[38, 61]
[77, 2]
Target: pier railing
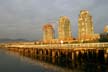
[59, 46]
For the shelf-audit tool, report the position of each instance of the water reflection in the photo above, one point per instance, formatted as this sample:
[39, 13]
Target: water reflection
[79, 61]
[37, 60]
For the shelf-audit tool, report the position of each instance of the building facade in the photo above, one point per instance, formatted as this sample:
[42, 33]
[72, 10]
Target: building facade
[85, 26]
[48, 33]
[64, 31]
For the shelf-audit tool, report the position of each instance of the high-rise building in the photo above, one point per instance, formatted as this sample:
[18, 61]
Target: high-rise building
[106, 29]
[48, 33]
[85, 26]
[64, 31]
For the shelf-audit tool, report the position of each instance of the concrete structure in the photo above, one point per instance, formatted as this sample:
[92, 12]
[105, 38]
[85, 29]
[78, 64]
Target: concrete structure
[65, 54]
[59, 50]
[78, 46]
[64, 31]
[48, 33]
[85, 26]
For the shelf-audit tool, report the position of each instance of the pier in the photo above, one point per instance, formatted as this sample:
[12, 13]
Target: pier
[70, 55]
[56, 50]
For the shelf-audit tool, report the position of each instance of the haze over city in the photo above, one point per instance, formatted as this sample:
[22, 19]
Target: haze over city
[25, 18]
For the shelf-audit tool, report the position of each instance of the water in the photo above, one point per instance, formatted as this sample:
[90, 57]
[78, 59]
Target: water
[83, 62]
[13, 62]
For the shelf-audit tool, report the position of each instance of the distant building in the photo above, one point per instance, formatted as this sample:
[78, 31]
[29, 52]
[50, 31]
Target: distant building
[104, 35]
[64, 31]
[85, 26]
[106, 29]
[48, 33]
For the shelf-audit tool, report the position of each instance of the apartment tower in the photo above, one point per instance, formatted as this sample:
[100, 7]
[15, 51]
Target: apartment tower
[48, 33]
[64, 31]
[85, 26]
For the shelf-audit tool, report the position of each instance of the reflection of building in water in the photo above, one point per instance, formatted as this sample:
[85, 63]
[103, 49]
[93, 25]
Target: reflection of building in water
[85, 27]
[64, 31]
[48, 33]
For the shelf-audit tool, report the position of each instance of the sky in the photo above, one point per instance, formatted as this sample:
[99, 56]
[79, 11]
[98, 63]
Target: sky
[25, 18]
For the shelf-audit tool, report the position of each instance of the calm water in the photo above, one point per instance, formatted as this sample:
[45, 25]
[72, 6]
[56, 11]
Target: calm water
[86, 62]
[13, 62]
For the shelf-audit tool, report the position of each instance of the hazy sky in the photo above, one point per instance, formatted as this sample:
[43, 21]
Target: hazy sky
[25, 18]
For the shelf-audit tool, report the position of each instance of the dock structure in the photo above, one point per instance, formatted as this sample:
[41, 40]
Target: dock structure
[67, 54]
[60, 46]
[55, 50]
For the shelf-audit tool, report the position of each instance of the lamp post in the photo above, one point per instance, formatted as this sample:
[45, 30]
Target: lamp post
[61, 42]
